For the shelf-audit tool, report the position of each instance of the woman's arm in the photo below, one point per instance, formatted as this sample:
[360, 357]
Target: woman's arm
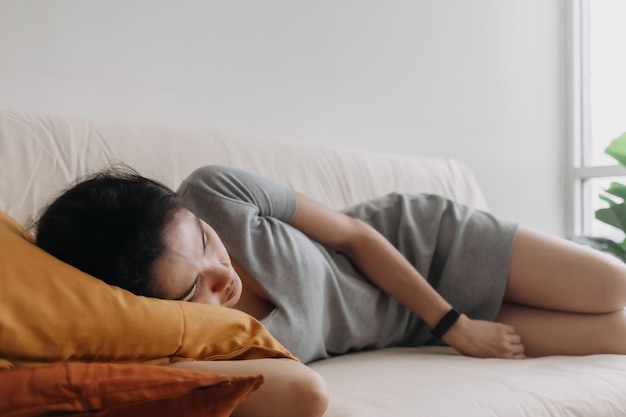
[386, 267]
[291, 389]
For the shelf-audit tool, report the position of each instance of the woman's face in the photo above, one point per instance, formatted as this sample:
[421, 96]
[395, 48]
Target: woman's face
[195, 266]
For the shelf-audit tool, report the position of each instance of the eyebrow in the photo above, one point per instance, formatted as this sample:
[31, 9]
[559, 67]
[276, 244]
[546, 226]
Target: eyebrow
[195, 282]
[202, 234]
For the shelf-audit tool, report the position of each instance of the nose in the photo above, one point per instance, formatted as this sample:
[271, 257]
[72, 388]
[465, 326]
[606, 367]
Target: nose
[221, 278]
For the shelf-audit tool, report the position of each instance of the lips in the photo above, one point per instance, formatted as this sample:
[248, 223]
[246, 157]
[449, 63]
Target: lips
[231, 292]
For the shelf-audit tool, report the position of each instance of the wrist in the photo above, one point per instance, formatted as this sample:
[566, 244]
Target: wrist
[445, 323]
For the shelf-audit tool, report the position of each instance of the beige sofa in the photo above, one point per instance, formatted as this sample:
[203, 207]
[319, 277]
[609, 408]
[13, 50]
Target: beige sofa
[39, 155]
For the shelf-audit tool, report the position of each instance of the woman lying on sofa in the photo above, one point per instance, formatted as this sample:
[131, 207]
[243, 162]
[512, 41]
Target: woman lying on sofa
[399, 270]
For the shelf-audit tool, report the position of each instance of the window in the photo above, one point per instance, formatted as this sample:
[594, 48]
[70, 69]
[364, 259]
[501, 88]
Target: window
[598, 109]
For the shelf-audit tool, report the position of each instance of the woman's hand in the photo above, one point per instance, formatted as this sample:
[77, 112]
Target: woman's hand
[484, 339]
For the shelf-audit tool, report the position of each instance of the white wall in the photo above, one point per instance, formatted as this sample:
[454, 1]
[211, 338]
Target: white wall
[481, 80]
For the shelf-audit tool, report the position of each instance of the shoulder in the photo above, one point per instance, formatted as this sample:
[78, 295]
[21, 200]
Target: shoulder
[265, 195]
[210, 173]
[220, 180]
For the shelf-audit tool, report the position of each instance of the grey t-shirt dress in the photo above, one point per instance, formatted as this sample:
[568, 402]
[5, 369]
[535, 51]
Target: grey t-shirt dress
[324, 305]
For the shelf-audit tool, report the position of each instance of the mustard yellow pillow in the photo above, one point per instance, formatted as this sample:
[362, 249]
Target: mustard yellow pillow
[52, 312]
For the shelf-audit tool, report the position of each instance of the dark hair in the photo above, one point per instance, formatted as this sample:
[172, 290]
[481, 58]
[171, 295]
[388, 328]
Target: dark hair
[111, 226]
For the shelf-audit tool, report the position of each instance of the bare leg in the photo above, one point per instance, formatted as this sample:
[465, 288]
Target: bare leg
[553, 273]
[563, 298]
[548, 332]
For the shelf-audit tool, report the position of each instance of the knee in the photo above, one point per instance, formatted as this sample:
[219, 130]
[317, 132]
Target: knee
[312, 395]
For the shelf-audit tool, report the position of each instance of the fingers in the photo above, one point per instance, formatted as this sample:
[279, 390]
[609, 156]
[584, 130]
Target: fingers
[517, 350]
[514, 347]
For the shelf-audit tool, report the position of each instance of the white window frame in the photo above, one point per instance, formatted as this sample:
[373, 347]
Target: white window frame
[577, 199]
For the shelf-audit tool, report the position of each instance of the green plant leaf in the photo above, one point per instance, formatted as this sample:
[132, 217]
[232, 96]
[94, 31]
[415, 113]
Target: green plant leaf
[617, 149]
[615, 215]
[617, 189]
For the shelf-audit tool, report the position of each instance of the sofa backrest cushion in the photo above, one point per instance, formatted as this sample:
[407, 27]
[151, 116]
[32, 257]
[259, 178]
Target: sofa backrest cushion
[52, 312]
[41, 155]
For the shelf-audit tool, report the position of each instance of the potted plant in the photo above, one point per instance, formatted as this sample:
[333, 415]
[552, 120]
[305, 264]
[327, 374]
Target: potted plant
[615, 214]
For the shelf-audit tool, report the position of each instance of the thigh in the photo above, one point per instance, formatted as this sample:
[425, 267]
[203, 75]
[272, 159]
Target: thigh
[554, 273]
[549, 332]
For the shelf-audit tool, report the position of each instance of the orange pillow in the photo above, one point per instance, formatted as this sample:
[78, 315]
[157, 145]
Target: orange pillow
[51, 312]
[118, 390]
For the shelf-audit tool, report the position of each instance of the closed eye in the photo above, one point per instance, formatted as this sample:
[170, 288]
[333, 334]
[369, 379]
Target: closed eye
[194, 292]
[191, 293]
